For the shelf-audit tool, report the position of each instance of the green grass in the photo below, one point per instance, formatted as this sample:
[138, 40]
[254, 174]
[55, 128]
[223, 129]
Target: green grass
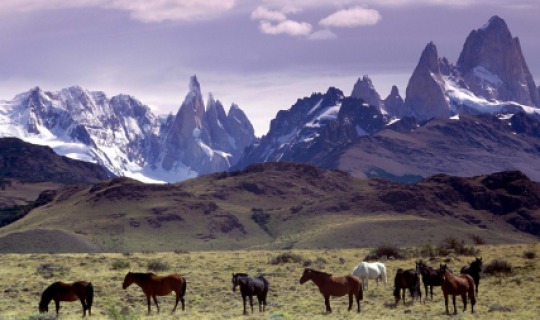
[209, 294]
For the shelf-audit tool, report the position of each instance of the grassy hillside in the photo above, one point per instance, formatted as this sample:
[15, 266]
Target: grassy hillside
[209, 294]
[275, 206]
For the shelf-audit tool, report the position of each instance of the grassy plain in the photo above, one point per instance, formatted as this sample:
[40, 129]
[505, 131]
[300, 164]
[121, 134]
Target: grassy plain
[209, 294]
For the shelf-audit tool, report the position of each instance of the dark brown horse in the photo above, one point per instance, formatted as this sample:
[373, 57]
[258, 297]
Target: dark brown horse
[154, 285]
[60, 291]
[407, 279]
[474, 269]
[251, 286]
[461, 285]
[430, 277]
[335, 286]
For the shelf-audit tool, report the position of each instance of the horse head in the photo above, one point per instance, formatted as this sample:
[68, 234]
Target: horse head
[128, 280]
[306, 276]
[234, 281]
[477, 264]
[43, 308]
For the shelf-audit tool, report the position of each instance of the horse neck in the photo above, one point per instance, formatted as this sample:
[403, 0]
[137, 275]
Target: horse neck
[138, 278]
[319, 278]
[46, 297]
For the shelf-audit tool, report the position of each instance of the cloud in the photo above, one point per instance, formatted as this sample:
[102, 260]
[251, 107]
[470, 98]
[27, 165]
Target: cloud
[141, 10]
[261, 13]
[353, 17]
[289, 27]
[324, 34]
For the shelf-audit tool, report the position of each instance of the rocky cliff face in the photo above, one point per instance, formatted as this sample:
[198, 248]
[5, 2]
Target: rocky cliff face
[364, 89]
[425, 96]
[491, 76]
[493, 65]
[394, 103]
[123, 135]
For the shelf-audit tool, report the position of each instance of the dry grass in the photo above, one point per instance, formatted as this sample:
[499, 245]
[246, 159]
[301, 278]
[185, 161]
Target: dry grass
[209, 294]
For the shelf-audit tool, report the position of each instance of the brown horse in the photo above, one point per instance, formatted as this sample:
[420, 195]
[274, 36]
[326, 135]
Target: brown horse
[154, 285]
[407, 279]
[457, 285]
[60, 291]
[335, 286]
[474, 269]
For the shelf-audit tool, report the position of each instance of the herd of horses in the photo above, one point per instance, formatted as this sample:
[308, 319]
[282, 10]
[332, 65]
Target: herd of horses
[465, 285]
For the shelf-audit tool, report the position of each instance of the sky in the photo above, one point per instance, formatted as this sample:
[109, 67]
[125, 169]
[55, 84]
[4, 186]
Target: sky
[261, 54]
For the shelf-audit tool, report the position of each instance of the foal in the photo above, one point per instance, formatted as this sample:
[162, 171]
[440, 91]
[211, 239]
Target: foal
[407, 279]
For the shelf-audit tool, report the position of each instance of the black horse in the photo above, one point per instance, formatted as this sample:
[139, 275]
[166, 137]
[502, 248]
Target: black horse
[430, 277]
[251, 286]
[407, 279]
[474, 269]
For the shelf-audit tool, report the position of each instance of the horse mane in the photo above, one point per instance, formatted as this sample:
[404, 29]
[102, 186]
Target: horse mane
[322, 273]
[240, 274]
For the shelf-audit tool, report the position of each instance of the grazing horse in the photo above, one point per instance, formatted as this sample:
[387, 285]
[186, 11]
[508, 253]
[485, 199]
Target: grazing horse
[474, 269]
[430, 277]
[457, 285]
[154, 285]
[407, 279]
[60, 291]
[335, 286]
[249, 287]
[366, 270]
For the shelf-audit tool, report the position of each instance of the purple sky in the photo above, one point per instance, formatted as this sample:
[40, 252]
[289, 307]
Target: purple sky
[261, 54]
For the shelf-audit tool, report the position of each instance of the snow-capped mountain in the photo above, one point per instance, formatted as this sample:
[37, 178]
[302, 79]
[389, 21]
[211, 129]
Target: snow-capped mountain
[491, 76]
[123, 135]
[491, 79]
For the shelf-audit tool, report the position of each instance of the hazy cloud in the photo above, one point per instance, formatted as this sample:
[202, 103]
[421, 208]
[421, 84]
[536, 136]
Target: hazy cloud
[142, 10]
[353, 17]
[289, 27]
[324, 34]
[261, 13]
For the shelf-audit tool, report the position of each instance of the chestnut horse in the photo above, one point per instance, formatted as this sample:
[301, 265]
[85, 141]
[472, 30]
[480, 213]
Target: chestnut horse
[474, 269]
[457, 285]
[335, 286]
[60, 291]
[154, 285]
[407, 279]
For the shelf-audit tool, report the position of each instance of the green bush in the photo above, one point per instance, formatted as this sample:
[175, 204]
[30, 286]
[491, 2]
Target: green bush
[157, 266]
[286, 257]
[498, 266]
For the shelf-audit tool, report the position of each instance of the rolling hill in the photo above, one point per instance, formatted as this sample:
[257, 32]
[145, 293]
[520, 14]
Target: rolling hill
[277, 205]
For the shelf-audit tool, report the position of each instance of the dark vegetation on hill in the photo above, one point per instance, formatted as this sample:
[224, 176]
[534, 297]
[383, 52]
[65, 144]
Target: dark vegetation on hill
[32, 163]
[280, 205]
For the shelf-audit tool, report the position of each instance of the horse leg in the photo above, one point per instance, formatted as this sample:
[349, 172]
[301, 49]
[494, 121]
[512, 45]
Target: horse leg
[426, 289]
[244, 299]
[357, 297]
[464, 299]
[403, 295]
[155, 301]
[454, 302]
[430, 291]
[446, 302]
[148, 302]
[259, 299]
[57, 304]
[176, 303]
[251, 303]
[327, 304]
[83, 307]
[350, 301]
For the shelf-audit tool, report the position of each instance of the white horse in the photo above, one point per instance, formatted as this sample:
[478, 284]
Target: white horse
[366, 270]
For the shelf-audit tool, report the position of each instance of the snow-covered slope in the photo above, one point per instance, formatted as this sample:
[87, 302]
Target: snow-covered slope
[120, 133]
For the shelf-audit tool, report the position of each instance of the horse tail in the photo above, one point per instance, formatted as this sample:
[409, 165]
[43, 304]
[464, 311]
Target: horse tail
[383, 274]
[184, 287]
[361, 293]
[89, 295]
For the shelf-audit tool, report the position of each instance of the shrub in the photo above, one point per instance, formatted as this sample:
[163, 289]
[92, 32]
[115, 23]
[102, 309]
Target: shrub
[286, 257]
[529, 254]
[478, 240]
[499, 307]
[452, 244]
[120, 264]
[498, 266]
[181, 251]
[157, 266]
[385, 251]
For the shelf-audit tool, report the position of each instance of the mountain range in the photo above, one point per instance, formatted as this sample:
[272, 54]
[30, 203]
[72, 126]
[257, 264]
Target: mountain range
[124, 136]
[477, 116]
